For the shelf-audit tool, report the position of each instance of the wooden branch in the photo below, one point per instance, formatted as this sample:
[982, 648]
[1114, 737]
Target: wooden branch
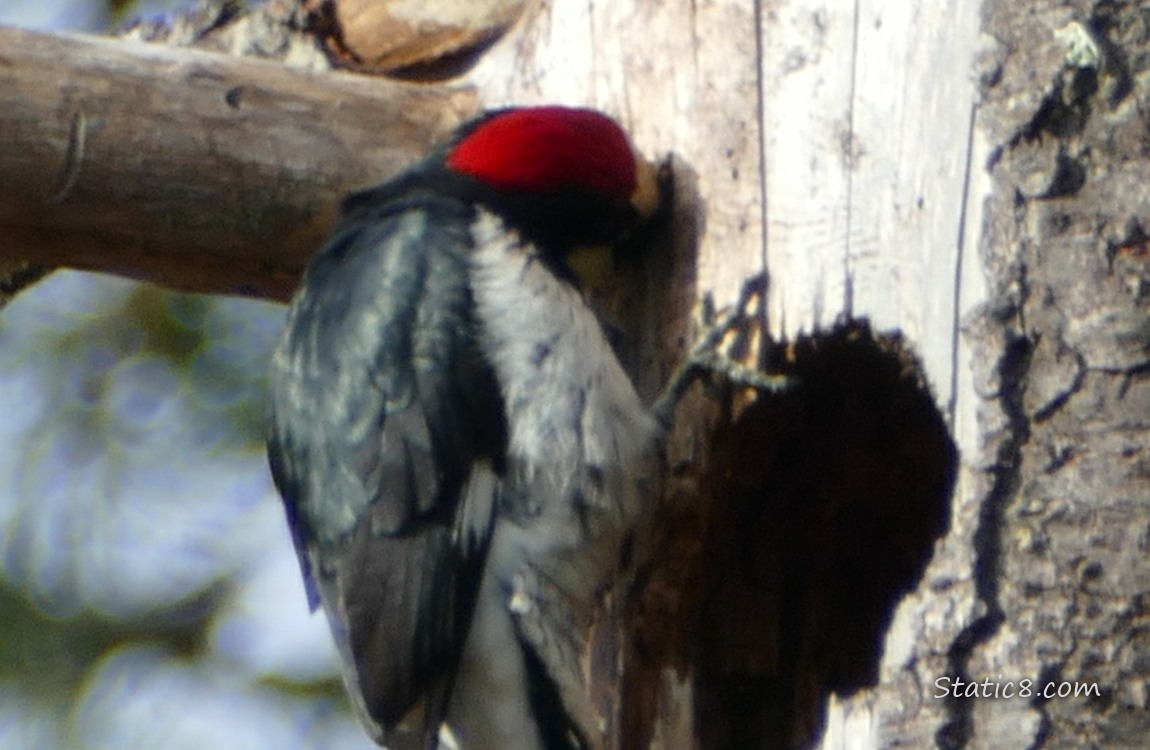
[197, 170]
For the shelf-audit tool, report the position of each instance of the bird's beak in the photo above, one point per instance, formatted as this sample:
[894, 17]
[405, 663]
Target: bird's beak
[645, 199]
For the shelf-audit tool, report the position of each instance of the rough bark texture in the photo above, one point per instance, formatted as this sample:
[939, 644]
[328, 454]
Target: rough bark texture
[1064, 362]
[978, 199]
[1054, 501]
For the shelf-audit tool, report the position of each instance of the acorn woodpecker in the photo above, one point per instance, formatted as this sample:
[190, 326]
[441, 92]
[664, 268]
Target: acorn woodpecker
[459, 451]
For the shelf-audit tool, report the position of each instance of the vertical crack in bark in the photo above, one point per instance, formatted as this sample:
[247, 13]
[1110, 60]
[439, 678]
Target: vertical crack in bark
[1012, 368]
[959, 259]
[849, 146]
[73, 157]
[760, 105]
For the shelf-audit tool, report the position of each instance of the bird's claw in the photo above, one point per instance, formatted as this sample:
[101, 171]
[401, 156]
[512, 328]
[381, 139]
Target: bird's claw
[711, 362]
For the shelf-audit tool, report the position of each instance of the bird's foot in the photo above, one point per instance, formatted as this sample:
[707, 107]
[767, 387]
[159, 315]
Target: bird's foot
[711, 359]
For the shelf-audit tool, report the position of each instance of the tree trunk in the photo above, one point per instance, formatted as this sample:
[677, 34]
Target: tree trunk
[948, 200]
[980, 195]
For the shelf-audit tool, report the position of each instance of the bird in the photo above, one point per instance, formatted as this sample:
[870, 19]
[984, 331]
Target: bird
[461, 456]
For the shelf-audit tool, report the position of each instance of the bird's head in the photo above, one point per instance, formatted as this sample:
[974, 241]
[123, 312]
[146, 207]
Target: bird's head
[569, 180]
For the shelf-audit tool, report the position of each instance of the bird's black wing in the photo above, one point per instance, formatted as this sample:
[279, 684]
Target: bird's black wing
[386, 440]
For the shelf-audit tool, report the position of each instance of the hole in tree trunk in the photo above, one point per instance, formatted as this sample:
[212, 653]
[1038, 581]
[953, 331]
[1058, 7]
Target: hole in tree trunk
[823, 506]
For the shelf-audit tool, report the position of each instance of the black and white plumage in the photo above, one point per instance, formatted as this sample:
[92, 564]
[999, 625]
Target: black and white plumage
[460, 453]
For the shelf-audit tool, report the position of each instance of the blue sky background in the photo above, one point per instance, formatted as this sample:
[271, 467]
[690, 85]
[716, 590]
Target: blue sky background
[149, 595]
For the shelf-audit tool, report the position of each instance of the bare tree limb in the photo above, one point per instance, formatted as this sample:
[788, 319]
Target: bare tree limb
[194, 169]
